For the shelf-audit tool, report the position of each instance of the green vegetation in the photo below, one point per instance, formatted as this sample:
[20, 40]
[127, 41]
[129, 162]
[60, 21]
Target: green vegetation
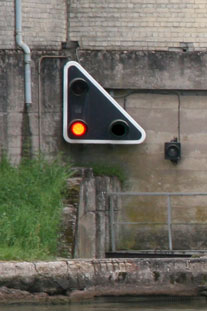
[106, 170]
[30, 208]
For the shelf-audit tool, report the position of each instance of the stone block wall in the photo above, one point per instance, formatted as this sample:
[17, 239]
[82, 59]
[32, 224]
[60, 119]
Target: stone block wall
[44, 24]
[139, 25]
[7, 23]
[120, 25]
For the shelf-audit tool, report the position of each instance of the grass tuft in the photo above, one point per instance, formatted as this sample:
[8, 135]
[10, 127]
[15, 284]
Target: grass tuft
[107, 170]
[30, 208]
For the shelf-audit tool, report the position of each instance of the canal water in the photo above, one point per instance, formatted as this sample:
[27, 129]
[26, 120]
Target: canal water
[121, 303]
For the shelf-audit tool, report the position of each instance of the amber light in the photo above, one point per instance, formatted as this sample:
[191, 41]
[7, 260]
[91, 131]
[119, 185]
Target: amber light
[78, 128]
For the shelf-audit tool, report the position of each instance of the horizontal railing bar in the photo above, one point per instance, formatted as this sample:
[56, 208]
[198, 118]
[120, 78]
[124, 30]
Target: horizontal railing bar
[140, 223]
[193, 251]
[164, 194]
[159, 223]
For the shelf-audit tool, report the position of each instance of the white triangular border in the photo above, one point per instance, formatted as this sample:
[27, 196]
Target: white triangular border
[107, 95]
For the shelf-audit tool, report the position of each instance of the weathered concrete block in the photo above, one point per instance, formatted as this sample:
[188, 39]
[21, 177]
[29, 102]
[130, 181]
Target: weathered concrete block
[80, 278]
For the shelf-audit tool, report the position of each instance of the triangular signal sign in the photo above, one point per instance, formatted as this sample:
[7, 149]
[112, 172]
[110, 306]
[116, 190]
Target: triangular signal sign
[91, 115]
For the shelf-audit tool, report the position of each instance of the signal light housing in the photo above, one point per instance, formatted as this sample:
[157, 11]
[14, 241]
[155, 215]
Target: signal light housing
[173, 151]
[100, 119]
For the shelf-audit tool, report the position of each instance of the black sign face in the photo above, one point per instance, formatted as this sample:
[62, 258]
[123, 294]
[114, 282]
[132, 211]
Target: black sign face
[91, 115]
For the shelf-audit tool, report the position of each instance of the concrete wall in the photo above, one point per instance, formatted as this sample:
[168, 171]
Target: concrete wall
[163, 114]
[93, 234]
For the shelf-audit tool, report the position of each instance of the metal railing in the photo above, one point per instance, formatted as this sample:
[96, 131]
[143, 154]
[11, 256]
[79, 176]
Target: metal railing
[168, 222]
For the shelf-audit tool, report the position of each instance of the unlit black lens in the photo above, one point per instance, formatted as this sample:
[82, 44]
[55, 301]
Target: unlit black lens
[173, 152]
[79, 87]
[119, 128]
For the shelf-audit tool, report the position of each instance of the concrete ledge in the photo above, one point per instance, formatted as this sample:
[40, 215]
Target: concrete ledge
[153, 70]
[66, 280]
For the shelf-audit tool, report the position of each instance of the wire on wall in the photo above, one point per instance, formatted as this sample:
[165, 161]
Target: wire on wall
[179, 107]
[127, 94]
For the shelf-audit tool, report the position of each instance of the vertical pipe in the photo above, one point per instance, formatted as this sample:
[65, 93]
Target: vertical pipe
[169, 222]
[112, 224]
[27, 54]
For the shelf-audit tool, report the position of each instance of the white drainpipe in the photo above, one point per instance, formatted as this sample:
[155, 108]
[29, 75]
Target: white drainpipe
[27, 54]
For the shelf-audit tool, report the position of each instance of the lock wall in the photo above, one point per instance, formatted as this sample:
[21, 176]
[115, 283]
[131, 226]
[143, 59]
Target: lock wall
[151, 57]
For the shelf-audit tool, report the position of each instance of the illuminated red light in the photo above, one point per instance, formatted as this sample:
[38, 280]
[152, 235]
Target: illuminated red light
[78, 128]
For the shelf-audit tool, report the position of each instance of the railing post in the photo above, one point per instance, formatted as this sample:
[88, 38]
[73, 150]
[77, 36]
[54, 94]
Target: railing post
[169, 222]
[112, 224]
